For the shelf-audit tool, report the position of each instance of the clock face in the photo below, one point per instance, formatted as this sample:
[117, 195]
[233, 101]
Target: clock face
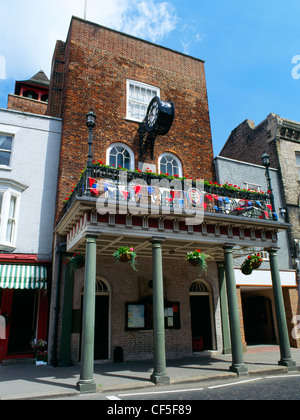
[152, 114]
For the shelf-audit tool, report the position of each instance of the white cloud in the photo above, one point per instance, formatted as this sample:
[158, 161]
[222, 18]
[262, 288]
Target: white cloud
[37, 24]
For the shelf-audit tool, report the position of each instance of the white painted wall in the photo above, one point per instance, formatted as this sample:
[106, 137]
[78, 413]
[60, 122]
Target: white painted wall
[34, 164]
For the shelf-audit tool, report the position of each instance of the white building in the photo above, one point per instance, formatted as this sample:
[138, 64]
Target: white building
[29, 154]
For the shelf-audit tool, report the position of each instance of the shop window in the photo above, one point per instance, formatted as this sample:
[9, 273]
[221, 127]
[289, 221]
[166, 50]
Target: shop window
[168, 163]
[120, 156]
[5, 149]
[139, 96]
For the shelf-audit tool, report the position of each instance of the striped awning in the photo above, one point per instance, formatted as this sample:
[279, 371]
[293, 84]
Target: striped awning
[23, 277]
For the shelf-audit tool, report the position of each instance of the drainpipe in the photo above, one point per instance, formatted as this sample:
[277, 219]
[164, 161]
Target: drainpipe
[60, 249]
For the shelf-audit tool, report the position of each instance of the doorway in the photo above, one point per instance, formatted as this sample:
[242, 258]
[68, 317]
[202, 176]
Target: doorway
[201, 317]
[101, 342]
[23, 321]
[258, 319]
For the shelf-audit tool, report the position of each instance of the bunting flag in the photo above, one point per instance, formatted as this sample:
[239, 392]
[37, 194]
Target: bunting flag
[175, 194]
[151, 190]
[209, 197]
[137, 188]
[123, 191]
[181, 201]
[269, 206]
[275, 216]
[266, 214]
[226, 199]
[110, 188]
[94, 187]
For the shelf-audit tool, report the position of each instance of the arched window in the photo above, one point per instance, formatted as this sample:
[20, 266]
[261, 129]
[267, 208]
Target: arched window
[199, 287]
[119, 155]
[170, 164]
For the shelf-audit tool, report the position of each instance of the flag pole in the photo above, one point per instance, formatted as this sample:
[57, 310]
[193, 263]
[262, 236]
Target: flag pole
[85, 9]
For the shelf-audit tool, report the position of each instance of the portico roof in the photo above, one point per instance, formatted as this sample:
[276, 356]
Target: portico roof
[216, 217]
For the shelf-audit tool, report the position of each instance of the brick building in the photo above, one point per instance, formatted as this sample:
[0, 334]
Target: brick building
[138, 192]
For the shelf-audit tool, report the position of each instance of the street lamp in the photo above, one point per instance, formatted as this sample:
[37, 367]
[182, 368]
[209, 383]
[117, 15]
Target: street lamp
[266, 162]
[90, 123]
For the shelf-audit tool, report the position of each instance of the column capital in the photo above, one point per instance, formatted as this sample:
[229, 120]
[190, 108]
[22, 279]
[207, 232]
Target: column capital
[273, 249]
[228, 246]
[91, 236]
[157, 239]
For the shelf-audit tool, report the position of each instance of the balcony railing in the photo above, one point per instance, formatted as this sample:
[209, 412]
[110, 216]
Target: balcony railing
[177, 195]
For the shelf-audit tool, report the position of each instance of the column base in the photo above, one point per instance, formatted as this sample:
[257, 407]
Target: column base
[160, 379]
[86, 387]
[289, 363]
[241, 370]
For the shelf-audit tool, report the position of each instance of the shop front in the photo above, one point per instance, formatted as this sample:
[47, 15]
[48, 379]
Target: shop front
[24, 307]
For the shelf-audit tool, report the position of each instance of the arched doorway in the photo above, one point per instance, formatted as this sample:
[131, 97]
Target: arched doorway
[202, 320]
[101, 346]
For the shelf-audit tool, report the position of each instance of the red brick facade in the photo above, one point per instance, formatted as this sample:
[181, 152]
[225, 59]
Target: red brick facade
[22, 104]
[90, 72]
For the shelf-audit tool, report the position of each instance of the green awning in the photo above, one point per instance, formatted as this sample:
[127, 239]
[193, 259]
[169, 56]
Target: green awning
[23, 277]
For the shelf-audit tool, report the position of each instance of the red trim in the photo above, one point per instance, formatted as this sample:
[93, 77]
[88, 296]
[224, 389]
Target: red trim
[22, 259]
[42, 317]
[6, 305]
[18, 257]
[19, 356]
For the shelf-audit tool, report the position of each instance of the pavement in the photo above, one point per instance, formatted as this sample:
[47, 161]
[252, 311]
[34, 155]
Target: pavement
[27, 381]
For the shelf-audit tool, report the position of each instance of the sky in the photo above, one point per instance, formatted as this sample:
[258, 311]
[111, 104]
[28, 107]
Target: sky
[251, 48]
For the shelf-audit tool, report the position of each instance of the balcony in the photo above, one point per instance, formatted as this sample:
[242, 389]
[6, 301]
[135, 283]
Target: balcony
[121, 191]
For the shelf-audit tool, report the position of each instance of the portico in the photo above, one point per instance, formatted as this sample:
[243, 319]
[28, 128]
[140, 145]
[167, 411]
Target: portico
[162, 241]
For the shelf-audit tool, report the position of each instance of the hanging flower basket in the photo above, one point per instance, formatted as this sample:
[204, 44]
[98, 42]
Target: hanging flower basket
[76, 261]
[126, 254]
[198, 259]
[252, 262]
[125, 257]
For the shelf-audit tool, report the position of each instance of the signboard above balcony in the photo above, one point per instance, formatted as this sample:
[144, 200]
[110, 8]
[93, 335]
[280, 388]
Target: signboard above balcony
[158, 121]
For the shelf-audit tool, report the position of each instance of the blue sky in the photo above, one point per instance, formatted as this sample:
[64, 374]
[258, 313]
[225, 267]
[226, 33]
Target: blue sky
[248, 47]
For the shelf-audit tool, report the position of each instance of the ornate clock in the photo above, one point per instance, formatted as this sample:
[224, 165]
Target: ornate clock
[160, 116]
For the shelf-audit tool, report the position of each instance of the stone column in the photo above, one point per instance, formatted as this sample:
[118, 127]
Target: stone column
[159, 375]
[238, 365]
[284, 342]
[224, 308]
[86, 382]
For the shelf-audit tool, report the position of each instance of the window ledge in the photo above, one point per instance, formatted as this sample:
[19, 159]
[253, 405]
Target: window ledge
[5, 168]
[7, 247]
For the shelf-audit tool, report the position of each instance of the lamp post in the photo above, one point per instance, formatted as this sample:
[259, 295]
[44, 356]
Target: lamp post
[90, 123]
[266, 162]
